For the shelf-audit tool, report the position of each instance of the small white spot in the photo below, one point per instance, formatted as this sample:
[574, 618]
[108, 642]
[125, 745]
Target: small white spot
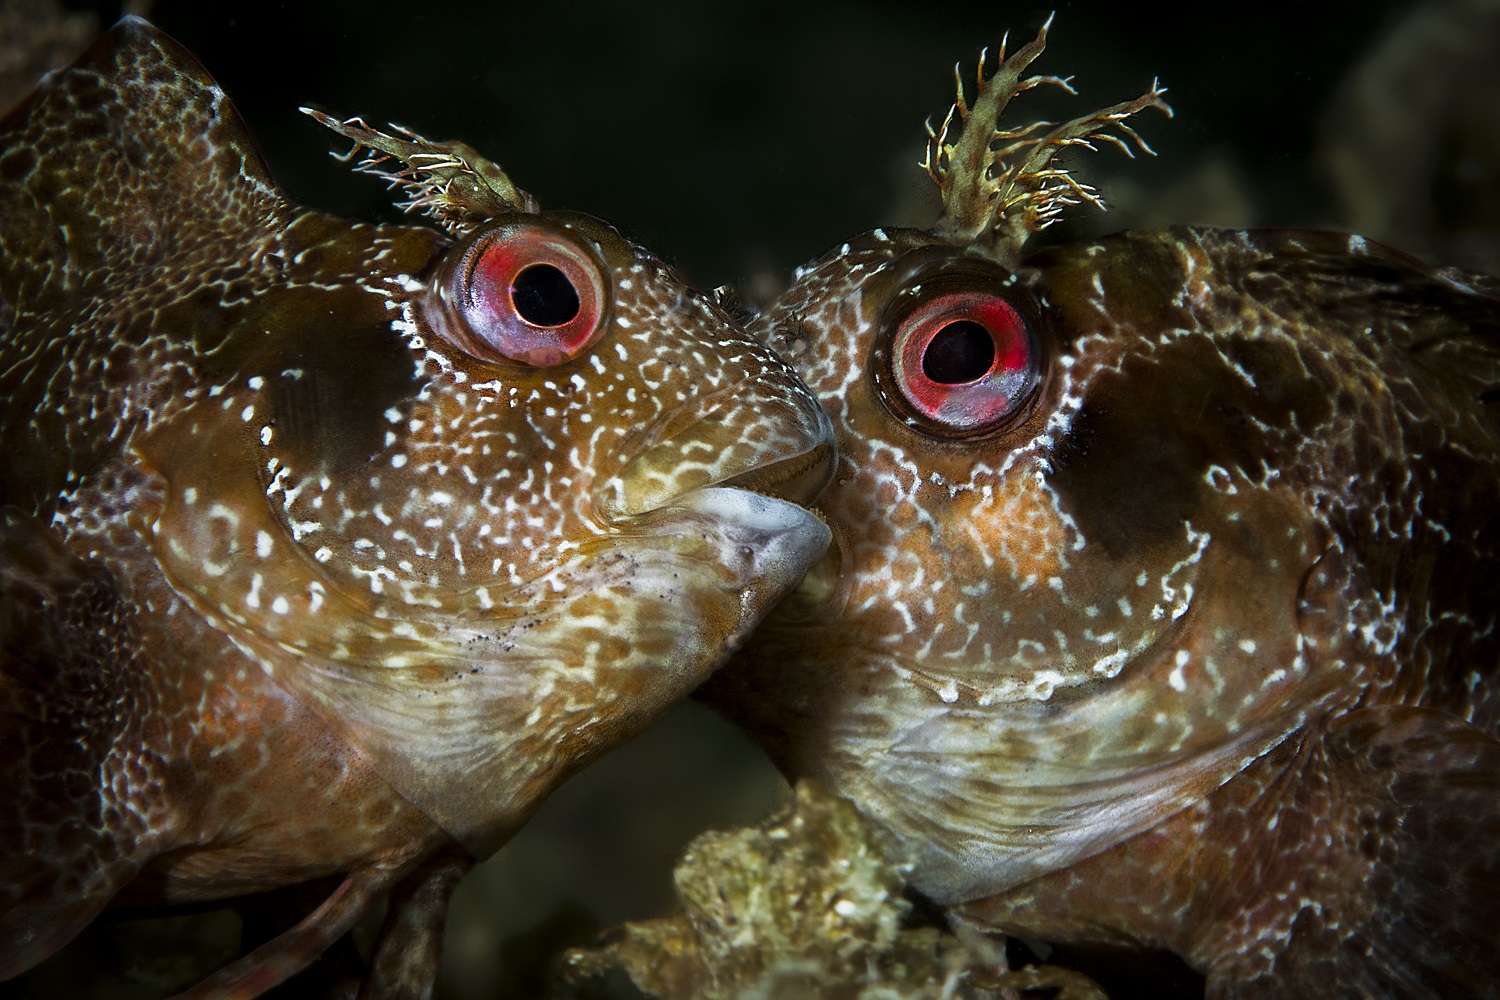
[397, 461]
[1176, 678]
[265, 434]
[256, 382]
[252, 599]
[280, 606]
[1111, 665]
[262, 544]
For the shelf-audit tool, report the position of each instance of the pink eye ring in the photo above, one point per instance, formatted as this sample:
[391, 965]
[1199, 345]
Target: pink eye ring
[527, 294]
[964, 361]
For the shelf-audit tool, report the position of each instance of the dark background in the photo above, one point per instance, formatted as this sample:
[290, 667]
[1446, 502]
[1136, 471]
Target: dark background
[740, 139]
[734, 137]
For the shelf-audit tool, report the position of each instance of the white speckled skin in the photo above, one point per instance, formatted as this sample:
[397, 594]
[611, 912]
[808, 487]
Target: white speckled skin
[297, 578]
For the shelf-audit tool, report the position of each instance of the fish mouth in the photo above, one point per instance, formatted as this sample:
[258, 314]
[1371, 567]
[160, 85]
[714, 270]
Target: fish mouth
[728, 497]
[752, 525]
[759, 545]
[797, 480]
[786, 454]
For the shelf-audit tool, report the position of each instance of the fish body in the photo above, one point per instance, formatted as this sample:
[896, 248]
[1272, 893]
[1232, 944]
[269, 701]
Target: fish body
[1162, 604]
[330, 548]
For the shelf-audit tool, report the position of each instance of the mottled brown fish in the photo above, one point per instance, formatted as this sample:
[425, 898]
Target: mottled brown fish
[1162, 604]
[330, 548]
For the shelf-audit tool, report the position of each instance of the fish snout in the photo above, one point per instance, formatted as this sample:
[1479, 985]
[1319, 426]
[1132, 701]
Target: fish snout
[766, 435]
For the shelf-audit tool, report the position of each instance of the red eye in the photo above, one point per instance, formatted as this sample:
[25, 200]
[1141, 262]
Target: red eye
[529, 295]
[964, 360]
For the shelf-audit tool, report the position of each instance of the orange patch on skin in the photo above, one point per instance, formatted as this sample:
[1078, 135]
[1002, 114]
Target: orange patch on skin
[1018, 527]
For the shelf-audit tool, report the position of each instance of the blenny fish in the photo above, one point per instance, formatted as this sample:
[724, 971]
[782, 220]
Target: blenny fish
[330, 548]
[1162, 604]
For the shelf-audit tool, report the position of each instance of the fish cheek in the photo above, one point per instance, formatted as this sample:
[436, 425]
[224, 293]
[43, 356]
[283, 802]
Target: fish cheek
[1285, 396]
[333, 415]
[310, 398]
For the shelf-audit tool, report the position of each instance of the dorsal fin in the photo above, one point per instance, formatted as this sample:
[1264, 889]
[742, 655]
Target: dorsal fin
[119, 159]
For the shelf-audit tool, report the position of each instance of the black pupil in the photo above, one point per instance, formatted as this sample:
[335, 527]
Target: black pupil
[961, 352]
[544, 296]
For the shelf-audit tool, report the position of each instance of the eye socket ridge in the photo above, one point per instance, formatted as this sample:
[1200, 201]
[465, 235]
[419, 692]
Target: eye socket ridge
[962, 362]
[528, 294]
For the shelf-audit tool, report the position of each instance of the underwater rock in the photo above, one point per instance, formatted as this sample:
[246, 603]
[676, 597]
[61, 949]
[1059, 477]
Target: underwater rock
[807, 904]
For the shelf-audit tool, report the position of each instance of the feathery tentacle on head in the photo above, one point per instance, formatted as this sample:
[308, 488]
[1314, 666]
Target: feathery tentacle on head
[999, 185]
[448, 181]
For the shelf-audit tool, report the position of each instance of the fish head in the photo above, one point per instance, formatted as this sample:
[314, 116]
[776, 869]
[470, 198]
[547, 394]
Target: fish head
[490, 495]
[512, 526]
[1030, 484]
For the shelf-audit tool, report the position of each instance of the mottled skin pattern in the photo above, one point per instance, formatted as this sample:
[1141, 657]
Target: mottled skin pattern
[295, 579]
[1196, 649]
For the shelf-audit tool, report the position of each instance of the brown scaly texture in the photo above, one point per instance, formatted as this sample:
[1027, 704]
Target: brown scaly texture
[298, 579]
[1195, 646]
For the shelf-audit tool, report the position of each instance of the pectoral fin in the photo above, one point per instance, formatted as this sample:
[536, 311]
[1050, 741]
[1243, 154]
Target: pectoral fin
[71, 694]
[1411, 907]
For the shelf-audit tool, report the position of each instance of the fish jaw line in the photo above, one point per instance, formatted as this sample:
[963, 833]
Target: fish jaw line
[475, 718]
[689, 581]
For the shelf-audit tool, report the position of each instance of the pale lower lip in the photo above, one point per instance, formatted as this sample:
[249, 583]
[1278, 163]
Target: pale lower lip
[775, 541]
[747, 508]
